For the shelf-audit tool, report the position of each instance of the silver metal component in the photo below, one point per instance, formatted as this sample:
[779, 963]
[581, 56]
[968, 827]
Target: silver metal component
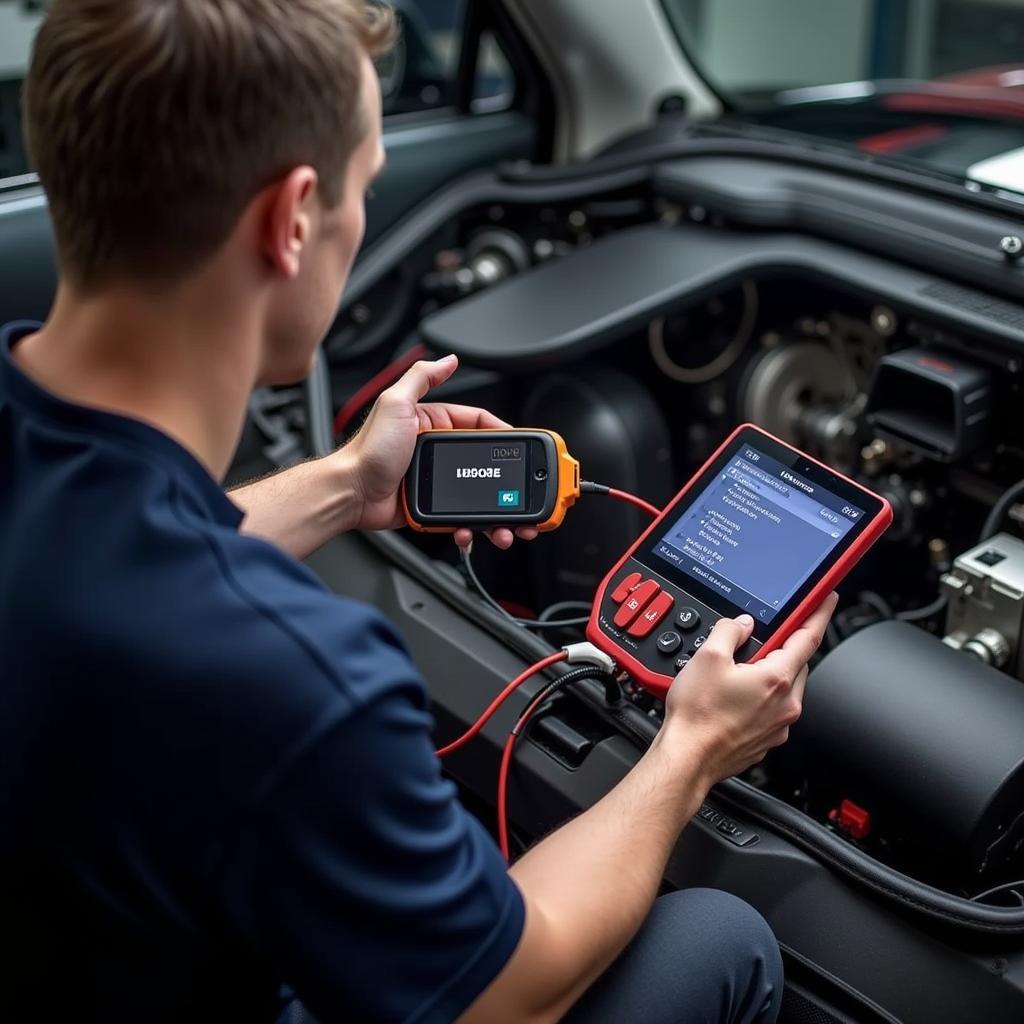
[585, 653]
[577, 219]
[985, 617]
[543, 249]
[989, 646]
[884, 321]
[953, 583]
[1011, 246]
[501, 244]
[489, 269]
[797, 389]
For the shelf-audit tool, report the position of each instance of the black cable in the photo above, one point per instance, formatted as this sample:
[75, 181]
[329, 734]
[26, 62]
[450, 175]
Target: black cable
[877, 602]
[536, 703]
[543, 624]
[583, 672]
[562, 606]
[999, 510]
[549, 689]
[467, 565]
[1005, 887]
[927, 612]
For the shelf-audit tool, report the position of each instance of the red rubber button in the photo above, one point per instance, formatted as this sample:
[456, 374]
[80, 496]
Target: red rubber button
[635, 602]
[652, 615]
[621, 592]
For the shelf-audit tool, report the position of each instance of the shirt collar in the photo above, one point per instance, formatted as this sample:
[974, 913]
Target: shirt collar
[22, 391]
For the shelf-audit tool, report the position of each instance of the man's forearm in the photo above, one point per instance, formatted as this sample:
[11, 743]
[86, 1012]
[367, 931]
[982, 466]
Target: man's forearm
[300, 508]
[589, 885]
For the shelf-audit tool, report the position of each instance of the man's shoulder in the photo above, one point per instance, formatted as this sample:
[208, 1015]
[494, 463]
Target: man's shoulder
[289, 614]
[136, 568]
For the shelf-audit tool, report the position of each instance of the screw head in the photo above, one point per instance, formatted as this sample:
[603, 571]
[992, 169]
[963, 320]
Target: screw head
[1011, 246]
[883, 320]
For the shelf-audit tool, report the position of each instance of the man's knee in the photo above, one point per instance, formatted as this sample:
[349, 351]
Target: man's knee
[701, 956]
[737, 948]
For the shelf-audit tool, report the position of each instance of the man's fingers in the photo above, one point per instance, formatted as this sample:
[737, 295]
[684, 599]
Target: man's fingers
[728, 635]
[421, 377]
[443, 416]
[800, 684]
[501, 538]
[799, 648]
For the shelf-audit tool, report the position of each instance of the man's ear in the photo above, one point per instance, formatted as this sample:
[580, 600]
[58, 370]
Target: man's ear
[286, 224]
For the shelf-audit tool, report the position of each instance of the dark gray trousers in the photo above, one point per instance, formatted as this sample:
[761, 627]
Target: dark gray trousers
[701, 957]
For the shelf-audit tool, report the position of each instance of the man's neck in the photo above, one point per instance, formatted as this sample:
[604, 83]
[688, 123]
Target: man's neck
[184, 362]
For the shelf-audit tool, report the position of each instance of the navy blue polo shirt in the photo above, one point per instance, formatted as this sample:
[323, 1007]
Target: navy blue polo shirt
[216, 777]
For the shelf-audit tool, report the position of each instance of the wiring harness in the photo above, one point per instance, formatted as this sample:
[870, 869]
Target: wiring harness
[595, 664]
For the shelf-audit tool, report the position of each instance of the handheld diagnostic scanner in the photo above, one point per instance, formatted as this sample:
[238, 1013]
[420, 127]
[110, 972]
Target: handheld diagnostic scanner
[762, 528]
[483, 478]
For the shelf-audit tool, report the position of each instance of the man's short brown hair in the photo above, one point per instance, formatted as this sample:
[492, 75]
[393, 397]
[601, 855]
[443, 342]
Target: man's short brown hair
[153, 123]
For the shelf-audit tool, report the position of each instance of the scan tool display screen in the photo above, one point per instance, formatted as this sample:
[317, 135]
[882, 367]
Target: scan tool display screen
[470, 478]
[757, 532]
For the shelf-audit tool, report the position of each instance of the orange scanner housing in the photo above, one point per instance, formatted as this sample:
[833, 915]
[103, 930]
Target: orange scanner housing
[488, 478]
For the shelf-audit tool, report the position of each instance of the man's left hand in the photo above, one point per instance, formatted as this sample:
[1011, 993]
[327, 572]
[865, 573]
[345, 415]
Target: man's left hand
[379, 455]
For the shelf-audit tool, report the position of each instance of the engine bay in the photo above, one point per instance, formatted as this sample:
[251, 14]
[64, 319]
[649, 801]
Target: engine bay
[643, 329]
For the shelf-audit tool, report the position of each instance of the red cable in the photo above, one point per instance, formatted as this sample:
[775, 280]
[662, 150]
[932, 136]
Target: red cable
[375, 385]
[506, 761]
[632, 499]
[499, 700]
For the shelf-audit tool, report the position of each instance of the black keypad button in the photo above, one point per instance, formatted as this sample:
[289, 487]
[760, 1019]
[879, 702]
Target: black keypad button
[669, 641]
[682, 662]
[688, 619]
[698, 642]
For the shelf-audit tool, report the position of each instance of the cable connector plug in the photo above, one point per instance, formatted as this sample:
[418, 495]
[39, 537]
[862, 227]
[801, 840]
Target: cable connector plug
[585, 653]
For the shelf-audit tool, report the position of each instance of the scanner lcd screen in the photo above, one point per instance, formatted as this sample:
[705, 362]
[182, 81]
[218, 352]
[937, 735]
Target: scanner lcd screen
[474, 477]
[756, 533]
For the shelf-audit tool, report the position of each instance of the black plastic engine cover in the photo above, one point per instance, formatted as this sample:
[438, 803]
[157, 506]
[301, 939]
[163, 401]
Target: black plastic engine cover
[613, 425]
[929, 737]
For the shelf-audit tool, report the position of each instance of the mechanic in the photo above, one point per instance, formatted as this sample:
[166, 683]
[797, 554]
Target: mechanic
[218, 777]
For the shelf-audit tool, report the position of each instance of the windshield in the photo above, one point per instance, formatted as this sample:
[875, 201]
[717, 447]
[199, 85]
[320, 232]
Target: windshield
[934, 83]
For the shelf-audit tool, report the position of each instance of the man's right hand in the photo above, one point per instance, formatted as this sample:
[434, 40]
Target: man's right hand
[737, 713]
[589, 885]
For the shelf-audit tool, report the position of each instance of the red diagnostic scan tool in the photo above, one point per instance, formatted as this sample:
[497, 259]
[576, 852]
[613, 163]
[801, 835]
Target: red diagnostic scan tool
[762, 529]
